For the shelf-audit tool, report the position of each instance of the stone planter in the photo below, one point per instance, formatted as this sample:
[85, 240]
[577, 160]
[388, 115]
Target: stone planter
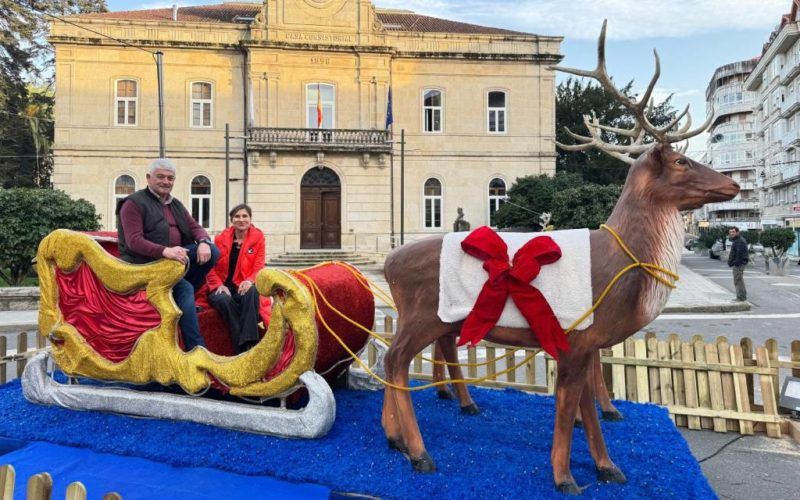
[21, 298]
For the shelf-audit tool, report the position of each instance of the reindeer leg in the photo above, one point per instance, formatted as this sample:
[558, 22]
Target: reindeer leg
[399, 356]
[443, 391]
[447, 344]
[571, 383]
[610, 412]
[389, 415]
[607, 472]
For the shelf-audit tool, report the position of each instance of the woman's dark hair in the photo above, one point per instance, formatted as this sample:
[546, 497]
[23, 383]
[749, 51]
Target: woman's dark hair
[241, 206]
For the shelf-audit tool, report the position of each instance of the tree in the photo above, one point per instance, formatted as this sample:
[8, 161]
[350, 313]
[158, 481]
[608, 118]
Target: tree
[587, 205]
[779, 240]
[26, 99]
[574, 98]
[29, 215]
[531, 195]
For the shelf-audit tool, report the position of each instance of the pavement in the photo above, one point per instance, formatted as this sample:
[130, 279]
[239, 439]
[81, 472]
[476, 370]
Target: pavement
[736, 466]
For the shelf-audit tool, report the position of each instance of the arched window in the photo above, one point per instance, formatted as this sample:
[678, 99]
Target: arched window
[124, 185]
[433, 203]
[320, 105]
[127, 99]
[497, 112]
[202, 105]
[497, 197]
[201, 200]
[432, 110]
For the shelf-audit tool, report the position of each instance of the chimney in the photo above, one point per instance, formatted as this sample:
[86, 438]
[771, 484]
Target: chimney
[174, 12]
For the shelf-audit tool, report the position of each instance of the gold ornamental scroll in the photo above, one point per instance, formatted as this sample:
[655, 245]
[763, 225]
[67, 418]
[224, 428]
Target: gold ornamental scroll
[156, 356]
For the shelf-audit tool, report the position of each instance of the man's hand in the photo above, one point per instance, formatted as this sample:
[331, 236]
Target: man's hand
[222, 289]
[244, 286]
[203, 253]
[176, 253]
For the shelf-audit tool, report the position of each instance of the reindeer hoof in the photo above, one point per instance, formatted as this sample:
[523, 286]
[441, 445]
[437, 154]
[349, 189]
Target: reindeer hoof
[611, 475]
[569, 488]
[612, 416]
[471, 409]
[423, 464]
[397, 444]
[445, 394]
[578, 424]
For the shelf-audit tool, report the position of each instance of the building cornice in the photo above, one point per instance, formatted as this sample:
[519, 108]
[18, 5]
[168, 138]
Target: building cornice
[787, 36]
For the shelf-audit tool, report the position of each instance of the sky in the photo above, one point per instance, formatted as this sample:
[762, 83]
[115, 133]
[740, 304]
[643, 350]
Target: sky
[693, 37]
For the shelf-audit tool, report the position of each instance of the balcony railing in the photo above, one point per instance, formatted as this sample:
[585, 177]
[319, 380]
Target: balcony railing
[734, 205]
[312, 139]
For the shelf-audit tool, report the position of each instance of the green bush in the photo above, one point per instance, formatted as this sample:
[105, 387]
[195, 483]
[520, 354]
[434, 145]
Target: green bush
[531, 195]
[778, 239]
[588, 205]
[28, 215]
[752, 237]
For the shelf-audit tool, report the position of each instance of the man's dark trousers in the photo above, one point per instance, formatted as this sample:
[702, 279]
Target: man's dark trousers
[183, 293]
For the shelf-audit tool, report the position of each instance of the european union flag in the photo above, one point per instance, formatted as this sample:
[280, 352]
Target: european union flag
[389, 117]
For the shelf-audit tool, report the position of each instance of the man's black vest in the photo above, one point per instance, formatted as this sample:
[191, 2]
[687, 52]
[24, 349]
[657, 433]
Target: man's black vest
[155, 227]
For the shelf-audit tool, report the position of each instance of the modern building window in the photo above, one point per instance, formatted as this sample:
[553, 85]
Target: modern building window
[497, 112]
[497, 198]
[124, 186]
[202, 105]
[127, 99]
[320, 105]
[432, 110]
[433, 203]
[201, 200]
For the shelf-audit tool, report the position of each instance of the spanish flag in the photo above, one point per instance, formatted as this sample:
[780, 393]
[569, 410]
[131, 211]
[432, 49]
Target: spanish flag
[319, 107]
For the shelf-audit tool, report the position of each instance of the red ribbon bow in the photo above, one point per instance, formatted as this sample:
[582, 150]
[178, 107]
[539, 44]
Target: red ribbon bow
[514, 279]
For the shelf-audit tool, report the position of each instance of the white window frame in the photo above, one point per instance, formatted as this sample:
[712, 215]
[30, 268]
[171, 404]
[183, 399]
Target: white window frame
[116, 197]
[200, 198]
[497, 110]
[202, 102]
[433, 199]
[129, 101]
[495, 199]
[325, 103]
[434, 110]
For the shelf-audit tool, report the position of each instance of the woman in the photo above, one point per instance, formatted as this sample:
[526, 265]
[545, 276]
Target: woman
[231, 284]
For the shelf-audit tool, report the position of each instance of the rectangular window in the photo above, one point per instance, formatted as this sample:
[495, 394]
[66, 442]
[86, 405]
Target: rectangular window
[201, 105]
[320, 107]
[497, 112]
[127, 97]
[432, 111]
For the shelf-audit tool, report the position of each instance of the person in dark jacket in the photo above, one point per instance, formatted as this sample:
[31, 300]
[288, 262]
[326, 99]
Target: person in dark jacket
[152, 224]
[737, 260]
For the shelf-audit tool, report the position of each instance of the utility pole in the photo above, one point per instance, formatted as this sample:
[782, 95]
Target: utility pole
[402, 185]
[160, 75]
[227, 172]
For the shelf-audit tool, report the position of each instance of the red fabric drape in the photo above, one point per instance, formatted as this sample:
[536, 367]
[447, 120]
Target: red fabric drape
[512, 279]
[110, 322]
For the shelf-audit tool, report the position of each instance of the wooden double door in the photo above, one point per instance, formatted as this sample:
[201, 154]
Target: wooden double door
[320, 217]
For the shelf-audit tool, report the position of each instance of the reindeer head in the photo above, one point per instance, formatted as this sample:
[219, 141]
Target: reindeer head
[660, 174]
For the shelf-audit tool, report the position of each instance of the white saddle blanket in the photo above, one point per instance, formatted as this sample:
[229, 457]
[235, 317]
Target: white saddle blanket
[566, 284]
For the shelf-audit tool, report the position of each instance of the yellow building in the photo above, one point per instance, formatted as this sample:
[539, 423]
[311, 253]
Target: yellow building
[308, 83]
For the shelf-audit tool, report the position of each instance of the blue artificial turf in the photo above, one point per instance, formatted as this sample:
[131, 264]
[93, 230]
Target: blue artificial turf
[502, 453]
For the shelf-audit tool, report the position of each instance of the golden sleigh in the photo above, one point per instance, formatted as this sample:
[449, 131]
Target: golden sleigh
[111, 321]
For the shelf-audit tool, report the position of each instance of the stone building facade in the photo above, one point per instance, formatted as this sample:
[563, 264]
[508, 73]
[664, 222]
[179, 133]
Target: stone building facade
[304, 86]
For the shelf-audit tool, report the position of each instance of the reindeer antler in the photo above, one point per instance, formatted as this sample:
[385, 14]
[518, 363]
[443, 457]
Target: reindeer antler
[639, 109]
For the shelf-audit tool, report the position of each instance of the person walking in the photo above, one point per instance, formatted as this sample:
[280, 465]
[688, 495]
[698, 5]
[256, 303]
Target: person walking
[737, 260]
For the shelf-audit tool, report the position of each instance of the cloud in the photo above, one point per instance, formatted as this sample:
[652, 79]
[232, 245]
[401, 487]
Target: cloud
[628, 20]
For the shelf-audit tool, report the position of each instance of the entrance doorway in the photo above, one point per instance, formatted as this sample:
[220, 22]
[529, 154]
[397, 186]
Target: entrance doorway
[320, 209]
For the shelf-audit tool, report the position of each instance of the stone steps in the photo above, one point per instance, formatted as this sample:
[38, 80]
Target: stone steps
[308, 258]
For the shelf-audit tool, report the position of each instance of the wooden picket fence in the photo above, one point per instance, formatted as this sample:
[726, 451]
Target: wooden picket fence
[40, 487]
[704, 385]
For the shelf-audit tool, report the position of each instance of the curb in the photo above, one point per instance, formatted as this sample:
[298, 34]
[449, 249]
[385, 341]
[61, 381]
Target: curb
[712, 308]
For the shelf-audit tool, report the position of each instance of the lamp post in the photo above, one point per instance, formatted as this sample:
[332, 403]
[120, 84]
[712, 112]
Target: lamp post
[228, 179]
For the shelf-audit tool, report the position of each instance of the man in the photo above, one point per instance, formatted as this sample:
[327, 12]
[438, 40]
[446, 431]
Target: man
[153, 224]
[737, 260]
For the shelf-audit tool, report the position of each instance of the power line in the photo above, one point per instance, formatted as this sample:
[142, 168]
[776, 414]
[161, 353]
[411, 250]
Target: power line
[77, 25]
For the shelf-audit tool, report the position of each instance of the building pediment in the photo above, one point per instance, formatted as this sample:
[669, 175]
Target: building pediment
[328, 22]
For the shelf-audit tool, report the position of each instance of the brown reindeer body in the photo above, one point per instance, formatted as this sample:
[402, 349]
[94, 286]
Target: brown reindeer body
[660, 183]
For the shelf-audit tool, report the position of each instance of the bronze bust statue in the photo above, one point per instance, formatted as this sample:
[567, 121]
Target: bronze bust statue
[460, 224]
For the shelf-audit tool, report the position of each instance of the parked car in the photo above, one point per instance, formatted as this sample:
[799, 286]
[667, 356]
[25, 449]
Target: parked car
[690, 243]
[716, 250]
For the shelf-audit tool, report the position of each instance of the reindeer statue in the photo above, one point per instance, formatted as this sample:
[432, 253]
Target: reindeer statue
[660, 183]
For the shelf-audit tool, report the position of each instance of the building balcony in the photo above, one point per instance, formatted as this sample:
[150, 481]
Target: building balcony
[790, 138]
[743, 164]
[791, 105]
[731, 127]
[319, 140]
[790, 70]
[747, 185]
[752, 204]
[732, 108]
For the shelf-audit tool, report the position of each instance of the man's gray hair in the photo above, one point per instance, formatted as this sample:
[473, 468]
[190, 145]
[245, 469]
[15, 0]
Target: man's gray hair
[161, 163]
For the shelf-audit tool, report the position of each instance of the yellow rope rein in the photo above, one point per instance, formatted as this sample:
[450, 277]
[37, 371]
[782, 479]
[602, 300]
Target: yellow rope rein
[651, 269]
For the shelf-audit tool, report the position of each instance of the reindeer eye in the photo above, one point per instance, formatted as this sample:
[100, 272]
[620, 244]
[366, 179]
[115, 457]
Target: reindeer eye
[681, 161]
